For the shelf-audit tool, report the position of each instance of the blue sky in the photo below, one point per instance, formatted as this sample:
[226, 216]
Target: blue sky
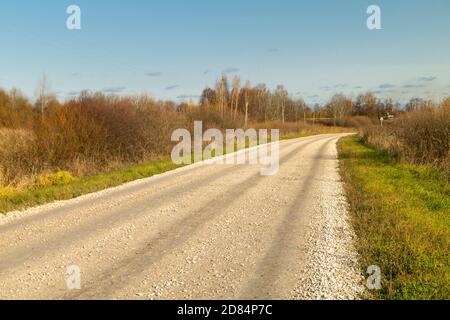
[173, 48]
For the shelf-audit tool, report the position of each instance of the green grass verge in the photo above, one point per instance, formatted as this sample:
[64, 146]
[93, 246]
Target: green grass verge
[297, 135]
[327, 130]
[401, 215]
[80, 186]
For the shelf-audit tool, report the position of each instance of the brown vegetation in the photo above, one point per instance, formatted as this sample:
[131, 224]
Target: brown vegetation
[420, 136]
[89, 134]
[95, 133]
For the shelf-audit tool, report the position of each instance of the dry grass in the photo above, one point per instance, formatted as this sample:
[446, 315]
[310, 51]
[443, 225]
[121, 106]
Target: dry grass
[292, 129]
[420, 137]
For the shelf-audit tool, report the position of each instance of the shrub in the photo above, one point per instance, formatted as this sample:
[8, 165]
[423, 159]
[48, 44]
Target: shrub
[293, 128]
[86, 135]
[54, 179]
[6, 192]
[16, 159]
[420, 137]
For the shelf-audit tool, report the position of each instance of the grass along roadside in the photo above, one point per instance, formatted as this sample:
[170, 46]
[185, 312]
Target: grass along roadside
[401, 215]
[76, 187]
[65, 187]
[319, 130]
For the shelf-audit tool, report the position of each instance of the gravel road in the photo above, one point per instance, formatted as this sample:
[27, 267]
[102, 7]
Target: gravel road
[199, 232]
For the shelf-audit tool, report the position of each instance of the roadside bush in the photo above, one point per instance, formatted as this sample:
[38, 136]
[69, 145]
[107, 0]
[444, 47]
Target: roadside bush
[294, 128]
[90, 134]
[54, 179]
[356, 122]
[6, 192]
[16, 156]
[420, 137]
[213, 119]
[426, 135]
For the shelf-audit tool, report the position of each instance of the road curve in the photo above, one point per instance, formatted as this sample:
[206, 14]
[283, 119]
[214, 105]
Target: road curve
[199, 232]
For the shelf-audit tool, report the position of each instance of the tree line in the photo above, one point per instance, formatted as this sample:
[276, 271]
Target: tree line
[236, 102]
[260, 104]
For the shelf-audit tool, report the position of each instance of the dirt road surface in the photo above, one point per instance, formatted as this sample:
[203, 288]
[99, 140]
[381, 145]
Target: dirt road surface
[199, 232]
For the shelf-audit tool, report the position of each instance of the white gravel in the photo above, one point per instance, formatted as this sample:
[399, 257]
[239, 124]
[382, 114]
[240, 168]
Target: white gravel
[201, 232]
[332, 271]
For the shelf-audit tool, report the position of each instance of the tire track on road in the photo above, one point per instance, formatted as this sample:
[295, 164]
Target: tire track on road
[263, 286]
[121, 214]
[179, 232]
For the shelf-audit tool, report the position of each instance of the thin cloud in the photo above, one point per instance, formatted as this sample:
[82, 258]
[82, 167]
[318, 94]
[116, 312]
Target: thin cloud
[154, 74]
[386, 86]
[172, 87]
[113, 90]
[339, 85]
[187, 96]
[231, 70]
[427, 79]
[413, 86]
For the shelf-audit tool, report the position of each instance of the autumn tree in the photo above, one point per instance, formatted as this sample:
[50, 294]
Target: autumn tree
[208, 98]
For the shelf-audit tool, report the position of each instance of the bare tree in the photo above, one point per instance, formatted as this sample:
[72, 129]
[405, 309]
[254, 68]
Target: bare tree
[43, 93]
[235, 96]
[222, 89]
[340, 106]
[282, 94]
[247, 101]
